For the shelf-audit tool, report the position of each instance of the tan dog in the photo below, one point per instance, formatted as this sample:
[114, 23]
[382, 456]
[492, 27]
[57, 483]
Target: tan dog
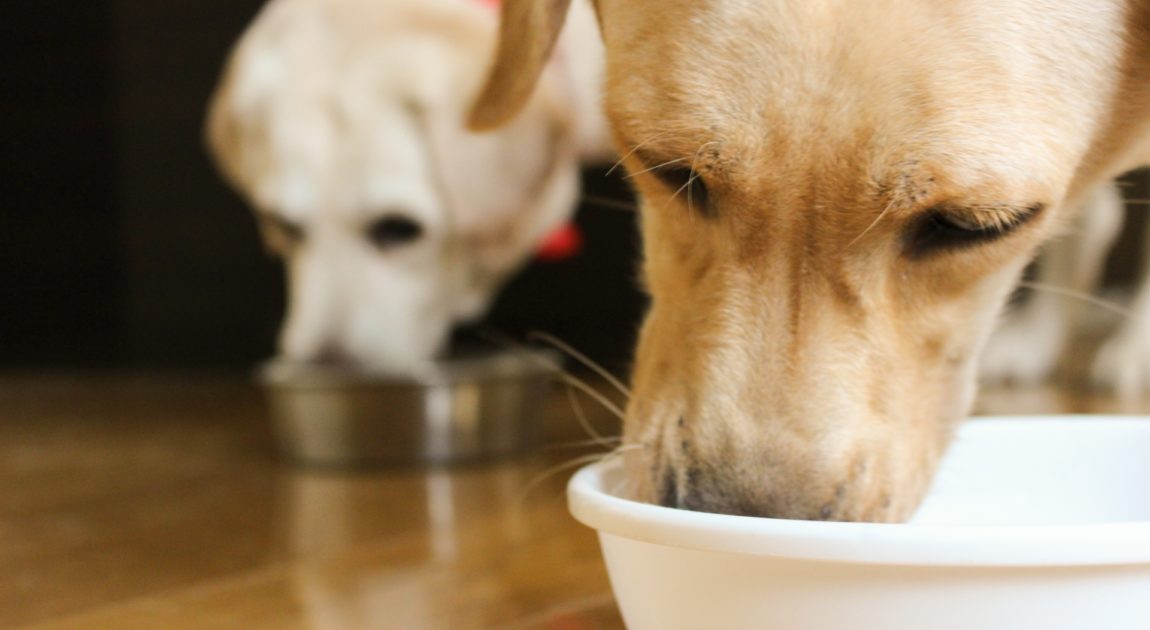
[837, 197]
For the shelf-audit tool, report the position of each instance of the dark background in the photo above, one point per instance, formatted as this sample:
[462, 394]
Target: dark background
[119, 246]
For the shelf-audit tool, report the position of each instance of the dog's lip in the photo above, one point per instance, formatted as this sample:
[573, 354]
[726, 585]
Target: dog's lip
[504, 364]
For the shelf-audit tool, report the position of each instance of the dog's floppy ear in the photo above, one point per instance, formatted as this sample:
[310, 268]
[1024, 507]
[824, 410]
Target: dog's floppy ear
[528, 30]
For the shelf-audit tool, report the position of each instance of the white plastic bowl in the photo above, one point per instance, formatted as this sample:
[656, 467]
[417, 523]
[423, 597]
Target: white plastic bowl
[1038, 523]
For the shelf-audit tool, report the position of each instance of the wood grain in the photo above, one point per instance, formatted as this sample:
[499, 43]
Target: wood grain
[157, 502]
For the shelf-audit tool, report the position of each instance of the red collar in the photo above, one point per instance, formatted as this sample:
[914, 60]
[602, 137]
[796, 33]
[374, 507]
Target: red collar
[561, 244]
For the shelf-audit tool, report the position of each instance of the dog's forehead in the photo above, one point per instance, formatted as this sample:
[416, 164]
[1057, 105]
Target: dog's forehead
[357, 144]
[880, 85]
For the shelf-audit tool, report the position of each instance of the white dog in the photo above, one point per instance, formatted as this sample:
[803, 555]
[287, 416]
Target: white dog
[342, 123]
[837, 199]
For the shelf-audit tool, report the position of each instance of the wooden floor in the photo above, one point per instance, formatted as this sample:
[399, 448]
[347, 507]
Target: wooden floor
[156, 502]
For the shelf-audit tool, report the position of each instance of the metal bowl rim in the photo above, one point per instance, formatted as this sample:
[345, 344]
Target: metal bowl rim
[500, 365]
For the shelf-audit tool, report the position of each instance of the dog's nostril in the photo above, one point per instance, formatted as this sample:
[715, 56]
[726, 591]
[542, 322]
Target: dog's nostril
[669, 491]
[330, 354]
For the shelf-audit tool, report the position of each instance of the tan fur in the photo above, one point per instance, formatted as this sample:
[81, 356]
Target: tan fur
[797, 361]
[528, 32]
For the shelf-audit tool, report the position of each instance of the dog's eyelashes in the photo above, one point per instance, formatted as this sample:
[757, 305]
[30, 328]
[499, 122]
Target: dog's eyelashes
[392, 231]
[938, 232]
[686, 183]
[678, 176]
[941, 229]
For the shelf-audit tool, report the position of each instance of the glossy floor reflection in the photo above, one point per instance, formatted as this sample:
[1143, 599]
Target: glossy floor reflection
[130, 502]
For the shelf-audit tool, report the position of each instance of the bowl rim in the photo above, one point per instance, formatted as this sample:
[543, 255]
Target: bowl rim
[498, 364]
[1094, 544]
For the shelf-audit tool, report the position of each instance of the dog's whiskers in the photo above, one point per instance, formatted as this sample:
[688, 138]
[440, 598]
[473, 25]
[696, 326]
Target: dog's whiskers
[592, 393]
[572, 463]
[583, 359]
[584, 421]
[635, 148]
[691, 180]
[573, 383]
[695, 174]
[624, 489]
[654, 168]
[598, 441]
[1079, 295]
[687, 186]
[566, 377]
[872, 225]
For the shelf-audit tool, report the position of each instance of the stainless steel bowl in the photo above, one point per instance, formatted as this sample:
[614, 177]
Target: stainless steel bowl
[455, 410]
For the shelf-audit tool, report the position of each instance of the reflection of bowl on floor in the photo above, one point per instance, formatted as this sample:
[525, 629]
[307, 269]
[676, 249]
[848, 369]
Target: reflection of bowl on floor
[1032, 523]
[455, 410]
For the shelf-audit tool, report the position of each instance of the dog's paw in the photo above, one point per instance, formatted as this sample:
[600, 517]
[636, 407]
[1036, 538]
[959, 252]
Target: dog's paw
[1122, 364]
[1024, 350]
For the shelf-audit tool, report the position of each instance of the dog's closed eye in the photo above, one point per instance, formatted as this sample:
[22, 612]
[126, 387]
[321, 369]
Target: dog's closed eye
[393, 230]
[280, 233]
[682, 182]
[945, 229]
[687, 182]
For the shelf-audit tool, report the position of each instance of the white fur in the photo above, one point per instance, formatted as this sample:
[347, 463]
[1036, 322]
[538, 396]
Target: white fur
[334, 113]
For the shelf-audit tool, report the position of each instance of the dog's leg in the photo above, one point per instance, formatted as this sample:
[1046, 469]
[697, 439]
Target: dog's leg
[1123, 362]
[1031, 340]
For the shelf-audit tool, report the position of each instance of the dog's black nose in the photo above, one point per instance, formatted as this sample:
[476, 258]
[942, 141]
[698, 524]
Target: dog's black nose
[331, 354]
